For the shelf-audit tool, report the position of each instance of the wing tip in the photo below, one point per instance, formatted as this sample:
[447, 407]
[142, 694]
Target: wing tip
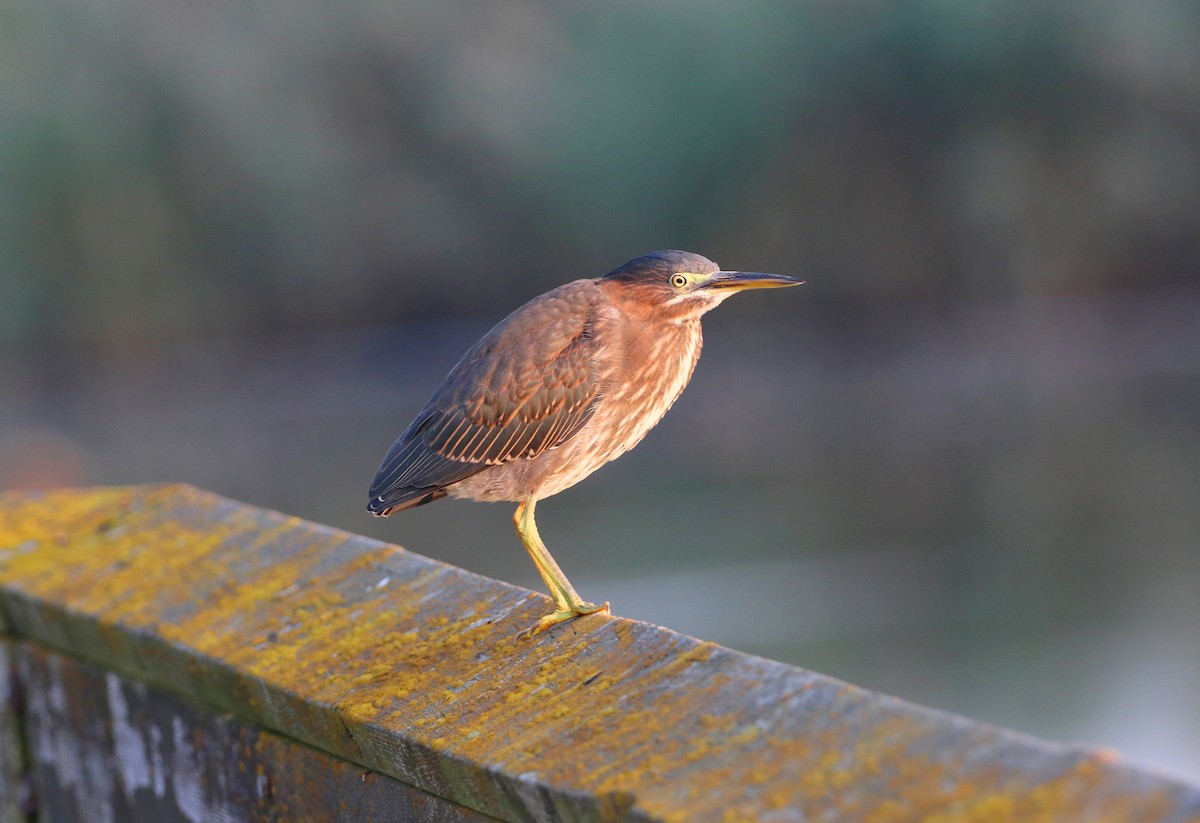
[383, 505]
[378, 508]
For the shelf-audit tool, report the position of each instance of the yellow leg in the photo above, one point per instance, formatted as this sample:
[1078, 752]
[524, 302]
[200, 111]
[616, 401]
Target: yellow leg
[568, 602]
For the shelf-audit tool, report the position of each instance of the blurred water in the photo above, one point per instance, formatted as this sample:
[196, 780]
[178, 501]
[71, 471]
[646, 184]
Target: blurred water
[992, 510]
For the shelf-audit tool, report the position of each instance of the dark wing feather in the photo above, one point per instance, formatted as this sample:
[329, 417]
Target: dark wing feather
[526, 387]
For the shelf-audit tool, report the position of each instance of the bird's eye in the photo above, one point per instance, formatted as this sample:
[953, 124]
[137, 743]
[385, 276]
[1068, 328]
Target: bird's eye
[678, 281]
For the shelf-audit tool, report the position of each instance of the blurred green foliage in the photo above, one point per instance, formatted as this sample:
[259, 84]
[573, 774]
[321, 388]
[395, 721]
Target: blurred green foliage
[225, 168]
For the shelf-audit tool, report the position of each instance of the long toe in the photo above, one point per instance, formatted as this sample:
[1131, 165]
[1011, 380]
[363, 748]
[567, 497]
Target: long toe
[563, 615]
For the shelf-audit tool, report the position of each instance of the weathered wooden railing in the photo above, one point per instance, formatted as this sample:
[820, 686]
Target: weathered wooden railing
[170, 654]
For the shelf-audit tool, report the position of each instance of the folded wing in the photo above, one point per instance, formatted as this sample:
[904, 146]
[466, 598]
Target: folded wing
[526, 387]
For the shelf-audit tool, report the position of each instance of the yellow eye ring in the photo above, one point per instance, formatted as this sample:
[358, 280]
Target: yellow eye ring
[678, 281]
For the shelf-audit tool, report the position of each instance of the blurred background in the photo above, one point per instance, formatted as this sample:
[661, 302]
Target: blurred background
[241, 243]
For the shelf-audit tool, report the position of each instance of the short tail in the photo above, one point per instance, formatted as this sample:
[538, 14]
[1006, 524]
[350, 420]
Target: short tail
[412, 474]
[401, 499]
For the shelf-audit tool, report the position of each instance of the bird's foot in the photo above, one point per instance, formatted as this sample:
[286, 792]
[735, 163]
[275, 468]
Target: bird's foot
[563, 615]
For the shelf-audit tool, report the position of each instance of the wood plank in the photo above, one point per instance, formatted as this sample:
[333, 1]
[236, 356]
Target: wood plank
[414, 669]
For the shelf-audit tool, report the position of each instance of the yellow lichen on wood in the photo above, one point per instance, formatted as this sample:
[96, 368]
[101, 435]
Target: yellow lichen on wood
[415, 669]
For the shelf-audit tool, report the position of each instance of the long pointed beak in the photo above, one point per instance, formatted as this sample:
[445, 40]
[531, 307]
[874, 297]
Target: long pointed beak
[740, 280]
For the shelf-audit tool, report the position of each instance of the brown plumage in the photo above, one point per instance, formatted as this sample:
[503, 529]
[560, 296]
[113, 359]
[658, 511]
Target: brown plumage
[569, 381]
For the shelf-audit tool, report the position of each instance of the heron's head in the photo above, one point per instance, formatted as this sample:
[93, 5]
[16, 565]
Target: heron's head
[678, 285]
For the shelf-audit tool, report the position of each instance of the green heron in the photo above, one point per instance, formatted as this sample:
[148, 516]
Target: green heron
[564, 384]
